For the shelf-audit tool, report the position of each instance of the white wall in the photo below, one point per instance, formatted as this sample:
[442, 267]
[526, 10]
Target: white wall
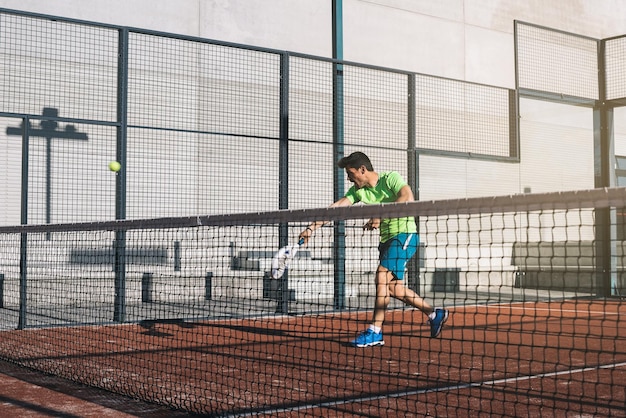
[468, 40]
[463, 39]
[293, 25]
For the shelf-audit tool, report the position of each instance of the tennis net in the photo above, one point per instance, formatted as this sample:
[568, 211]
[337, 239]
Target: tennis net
[184, 312]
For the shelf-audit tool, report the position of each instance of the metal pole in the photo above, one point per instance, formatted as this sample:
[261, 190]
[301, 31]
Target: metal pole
[339, 232]
[1, 290]
[282, 305]
[413, 280]
[119, 246]
[21, 324]
[603, 155]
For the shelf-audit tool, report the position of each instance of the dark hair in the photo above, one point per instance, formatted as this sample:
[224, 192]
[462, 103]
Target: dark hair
[356, 160]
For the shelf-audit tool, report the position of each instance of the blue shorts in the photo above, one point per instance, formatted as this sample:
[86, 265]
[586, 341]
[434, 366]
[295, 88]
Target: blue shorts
[396, 253]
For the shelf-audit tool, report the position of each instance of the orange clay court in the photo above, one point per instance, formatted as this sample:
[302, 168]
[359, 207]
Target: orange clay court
[514, 359]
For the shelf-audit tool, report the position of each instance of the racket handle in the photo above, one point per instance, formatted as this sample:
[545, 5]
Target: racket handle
[301, 241]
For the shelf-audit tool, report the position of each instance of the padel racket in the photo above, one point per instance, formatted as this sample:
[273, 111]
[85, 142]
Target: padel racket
[283, 258]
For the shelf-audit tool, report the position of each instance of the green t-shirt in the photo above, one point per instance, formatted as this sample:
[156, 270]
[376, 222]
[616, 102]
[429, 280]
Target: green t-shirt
[385, 191]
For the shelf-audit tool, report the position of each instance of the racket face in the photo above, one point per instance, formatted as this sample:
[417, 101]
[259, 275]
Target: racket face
[280, 261]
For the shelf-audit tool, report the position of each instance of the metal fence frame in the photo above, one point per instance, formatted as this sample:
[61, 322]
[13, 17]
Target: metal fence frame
[422, 91]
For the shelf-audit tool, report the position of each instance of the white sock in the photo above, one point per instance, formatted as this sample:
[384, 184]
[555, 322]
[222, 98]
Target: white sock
[432, 314]
[376, 329]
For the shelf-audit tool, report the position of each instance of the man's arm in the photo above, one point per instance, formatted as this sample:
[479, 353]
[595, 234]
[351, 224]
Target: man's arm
[405, 194]
[308, 232]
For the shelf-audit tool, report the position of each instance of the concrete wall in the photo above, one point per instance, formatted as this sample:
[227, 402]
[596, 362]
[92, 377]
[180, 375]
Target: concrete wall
[294, 25]
[463, 40]
[468, 40]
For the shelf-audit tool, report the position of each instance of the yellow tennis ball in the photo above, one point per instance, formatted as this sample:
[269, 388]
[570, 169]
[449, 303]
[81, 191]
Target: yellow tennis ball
[115, 166]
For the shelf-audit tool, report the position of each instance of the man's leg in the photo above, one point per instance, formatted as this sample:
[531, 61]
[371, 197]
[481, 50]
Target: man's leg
[396, 256]
[373, 334]
[384, 278]
[436, 317]
[398, 290]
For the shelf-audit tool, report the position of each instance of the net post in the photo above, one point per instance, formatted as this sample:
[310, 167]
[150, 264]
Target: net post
[282, 296]
[146, 288]
[23, 280]
[208, 286]
[604, 252]
[119, 248]
[1, 290]
[177, 264]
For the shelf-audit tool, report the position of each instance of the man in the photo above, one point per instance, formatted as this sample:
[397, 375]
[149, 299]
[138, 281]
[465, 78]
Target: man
[398, 243]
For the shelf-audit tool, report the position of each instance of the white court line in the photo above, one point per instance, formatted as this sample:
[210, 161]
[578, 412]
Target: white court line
[519, 305]
[512, 306]
[450, 388]
[431, 390]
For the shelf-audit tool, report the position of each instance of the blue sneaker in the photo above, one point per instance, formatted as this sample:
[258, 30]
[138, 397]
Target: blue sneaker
[441, 316]
[368, 338]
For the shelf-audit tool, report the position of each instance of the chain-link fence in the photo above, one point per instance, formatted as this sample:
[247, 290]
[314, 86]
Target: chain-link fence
[207, 127]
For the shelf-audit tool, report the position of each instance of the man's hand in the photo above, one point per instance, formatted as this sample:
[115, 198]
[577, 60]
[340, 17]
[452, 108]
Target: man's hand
[306, 234]
[372, 224]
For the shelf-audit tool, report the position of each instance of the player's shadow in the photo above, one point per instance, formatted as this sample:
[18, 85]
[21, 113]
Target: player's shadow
[321, 335]
[150, 325]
